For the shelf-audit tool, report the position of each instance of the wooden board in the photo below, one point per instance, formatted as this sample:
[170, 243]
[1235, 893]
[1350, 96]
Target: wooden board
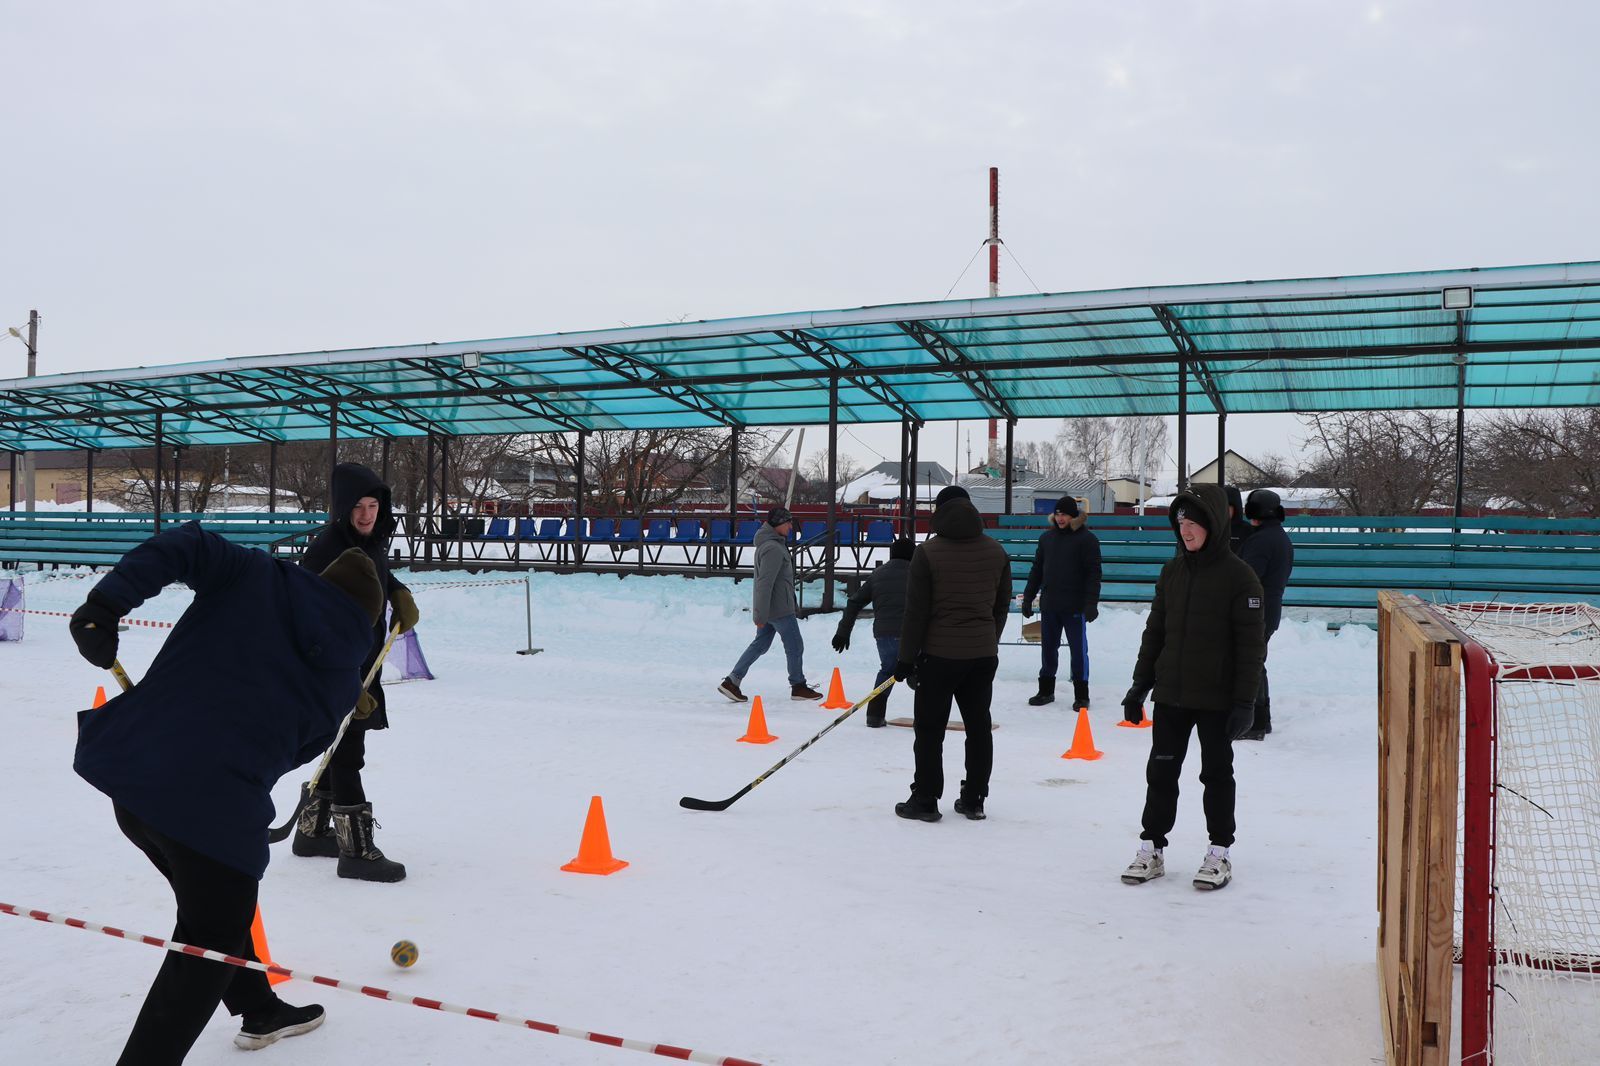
[953, 726]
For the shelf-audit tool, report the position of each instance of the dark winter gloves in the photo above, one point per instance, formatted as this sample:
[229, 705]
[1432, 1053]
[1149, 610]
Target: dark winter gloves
[94, 630]
[1133, 705]
[1091, 612]
[841, 640]
[365, 705]
[405, 608]
[906, 671]
[1027, 608]
[1241, 718]
[355, 575]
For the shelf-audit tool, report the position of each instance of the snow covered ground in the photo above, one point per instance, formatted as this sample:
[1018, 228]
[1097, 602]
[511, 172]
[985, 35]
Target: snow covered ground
[805, 925]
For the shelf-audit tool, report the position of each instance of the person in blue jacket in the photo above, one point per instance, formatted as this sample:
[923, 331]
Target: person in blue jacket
[252, 682]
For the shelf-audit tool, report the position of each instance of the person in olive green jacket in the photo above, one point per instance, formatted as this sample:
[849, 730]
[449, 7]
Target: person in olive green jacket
[1204, 643]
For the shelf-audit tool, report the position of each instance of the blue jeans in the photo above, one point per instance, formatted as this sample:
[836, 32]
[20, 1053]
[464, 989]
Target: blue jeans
[888, 654]
[1052, 626]
[794, 647]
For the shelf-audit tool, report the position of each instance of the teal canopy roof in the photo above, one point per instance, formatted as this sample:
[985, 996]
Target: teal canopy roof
[1530, 338]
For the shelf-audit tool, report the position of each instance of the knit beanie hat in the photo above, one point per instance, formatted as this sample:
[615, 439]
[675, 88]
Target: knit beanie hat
[903, 548]
[1067, 506]
[948, 493]
[1194, 514]
[354, 575]
[778, 516]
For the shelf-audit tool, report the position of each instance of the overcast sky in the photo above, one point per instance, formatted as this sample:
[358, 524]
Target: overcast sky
[185, 181]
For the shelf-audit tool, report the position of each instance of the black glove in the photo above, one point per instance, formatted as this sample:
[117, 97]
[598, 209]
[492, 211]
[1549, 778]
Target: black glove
[1133, 705]
[841, 640]
[1091, 612]
[906, 671]
[1027, 608]
[1241, 718]
[94, 630]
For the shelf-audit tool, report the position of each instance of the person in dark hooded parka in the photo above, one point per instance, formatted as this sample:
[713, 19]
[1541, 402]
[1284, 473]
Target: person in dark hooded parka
[1270, 554]
[885, 591]
[337, 821]
[252, 681]
[1201, 653]
[1239, 529]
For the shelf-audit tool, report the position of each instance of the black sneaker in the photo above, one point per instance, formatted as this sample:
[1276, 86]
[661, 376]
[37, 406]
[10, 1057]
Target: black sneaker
[972, 807]
[918, 811]
[804, 692]
[276, 1022]
[730, 689]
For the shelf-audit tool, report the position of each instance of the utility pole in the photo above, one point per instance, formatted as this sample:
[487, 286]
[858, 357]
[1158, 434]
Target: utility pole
[992, 461]
[33, 366]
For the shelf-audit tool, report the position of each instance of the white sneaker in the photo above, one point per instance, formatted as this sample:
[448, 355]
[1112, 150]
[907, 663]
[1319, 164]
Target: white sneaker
[1146, 866]
[1216, 870]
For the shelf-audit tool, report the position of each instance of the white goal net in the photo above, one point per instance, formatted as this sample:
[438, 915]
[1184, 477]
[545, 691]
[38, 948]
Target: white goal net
[1541, 840]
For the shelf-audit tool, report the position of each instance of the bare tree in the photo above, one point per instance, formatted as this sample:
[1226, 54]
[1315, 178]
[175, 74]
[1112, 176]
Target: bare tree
[1385, 462]
[1044, 458]
[1087, 444]
[1275, 470]
[1140, 446]
[1547, 462]
[634, 472]
[813, 486]
[188, 476]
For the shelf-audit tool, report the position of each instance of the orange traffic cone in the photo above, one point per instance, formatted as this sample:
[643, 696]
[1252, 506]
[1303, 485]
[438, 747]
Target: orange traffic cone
[1143, 723]
[258, 941]
[835, 700]
[756, 731]
[594, 851]
[1082, 739]
[99, 696]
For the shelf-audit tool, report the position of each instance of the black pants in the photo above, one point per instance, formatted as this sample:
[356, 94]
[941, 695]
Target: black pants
[343, 776]
[970, 682]
[1263, 719]
[1168, 745]
[216, 905]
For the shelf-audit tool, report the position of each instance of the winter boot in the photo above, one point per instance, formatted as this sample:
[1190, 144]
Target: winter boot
[1262, 725]
[1146, 866]
[1216, 870]
[921, 810]
[1046, 693]
[359, 857]
[263, 1027]
[1080, 694]
[803, 692]
[313, 832]
[876, 709]
[730, 689]
[970, 804]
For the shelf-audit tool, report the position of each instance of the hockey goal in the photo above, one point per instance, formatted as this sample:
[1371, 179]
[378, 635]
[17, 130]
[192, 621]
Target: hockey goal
[1510, 751]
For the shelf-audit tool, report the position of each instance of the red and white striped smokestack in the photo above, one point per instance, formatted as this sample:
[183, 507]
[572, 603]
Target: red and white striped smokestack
[994, 290]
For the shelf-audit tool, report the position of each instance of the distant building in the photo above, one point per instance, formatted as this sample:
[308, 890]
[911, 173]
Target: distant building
[1236, 470]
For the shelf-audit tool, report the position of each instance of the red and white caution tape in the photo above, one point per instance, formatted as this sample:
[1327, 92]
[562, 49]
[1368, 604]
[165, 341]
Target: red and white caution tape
[664, 1050]
[120, 621]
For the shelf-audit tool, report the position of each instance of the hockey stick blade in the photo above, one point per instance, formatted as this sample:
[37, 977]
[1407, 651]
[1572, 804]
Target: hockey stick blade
[692, 804]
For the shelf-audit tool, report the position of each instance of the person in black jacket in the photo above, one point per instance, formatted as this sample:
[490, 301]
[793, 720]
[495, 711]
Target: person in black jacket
[1202, 651]
[362, 517]
[957, 597]
[1239, 529]
[252, 682]
[885, 590]
[1066, 565]
[1270, 554]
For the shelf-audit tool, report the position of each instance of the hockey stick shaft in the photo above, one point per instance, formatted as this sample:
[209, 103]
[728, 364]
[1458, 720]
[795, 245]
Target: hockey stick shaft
[690, 803]
[665, 1050]
[279, 833]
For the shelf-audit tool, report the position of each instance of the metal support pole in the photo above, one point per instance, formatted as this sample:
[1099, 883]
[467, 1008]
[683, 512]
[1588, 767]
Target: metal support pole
[527, 598]
[1183, 425]
[385, 474]
[909, 529]
[1011, 425]
[444, 501]
[426, 525]
[177, 479]
[272, 478]
[583, 489]
[905, 464]
[1222, 448]
[831, 547]
[333, 448]
[1461, 430]
[155, 495]
[28, 476]
[733, 494]
[88, 481]
[11, 489]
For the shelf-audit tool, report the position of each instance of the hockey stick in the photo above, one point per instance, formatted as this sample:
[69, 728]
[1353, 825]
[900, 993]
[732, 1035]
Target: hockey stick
[721, 805]
[279, 833]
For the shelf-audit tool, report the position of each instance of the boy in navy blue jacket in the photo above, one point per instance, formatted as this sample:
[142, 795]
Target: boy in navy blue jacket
[252, 682]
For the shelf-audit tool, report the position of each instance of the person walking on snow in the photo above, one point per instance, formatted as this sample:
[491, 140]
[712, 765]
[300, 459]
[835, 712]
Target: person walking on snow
[338, 819]
[885, 590]
[1066, 565]
[957, 597]
[1202, 652]
[252, 681]
[1271, 555]
[772, 608]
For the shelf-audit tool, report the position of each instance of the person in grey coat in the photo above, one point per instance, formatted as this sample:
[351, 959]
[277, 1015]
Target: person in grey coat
[885, 590]
[772, 608]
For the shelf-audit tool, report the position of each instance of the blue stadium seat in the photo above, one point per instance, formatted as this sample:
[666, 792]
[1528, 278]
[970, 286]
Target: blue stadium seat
[499, 529]
[880, 533]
